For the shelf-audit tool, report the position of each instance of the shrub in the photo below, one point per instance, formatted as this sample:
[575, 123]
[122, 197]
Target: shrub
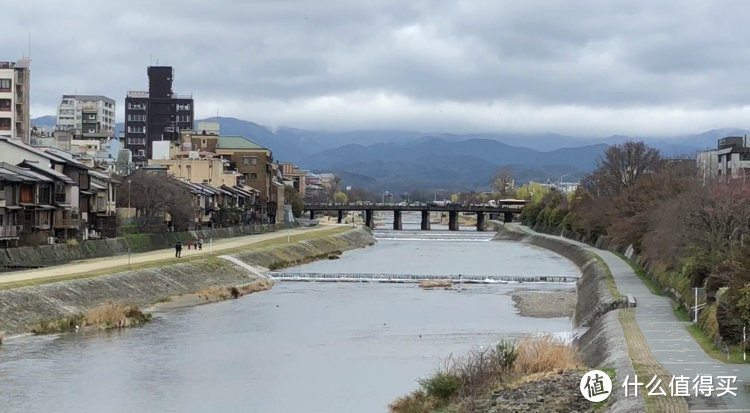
[442, 385]
[71, 242]
[505, 354]
[417, 402]
[708, 323]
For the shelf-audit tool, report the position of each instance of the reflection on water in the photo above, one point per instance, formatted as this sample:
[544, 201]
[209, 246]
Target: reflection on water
[308, 347]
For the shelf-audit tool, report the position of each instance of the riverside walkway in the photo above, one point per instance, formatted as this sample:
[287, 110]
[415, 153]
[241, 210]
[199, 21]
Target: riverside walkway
[121, 262]
[668, 340]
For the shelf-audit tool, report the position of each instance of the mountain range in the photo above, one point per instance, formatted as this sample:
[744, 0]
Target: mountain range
[401, 160]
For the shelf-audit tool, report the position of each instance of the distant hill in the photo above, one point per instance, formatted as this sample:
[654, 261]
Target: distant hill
[401, 160]
[48, 121]
[439, 163]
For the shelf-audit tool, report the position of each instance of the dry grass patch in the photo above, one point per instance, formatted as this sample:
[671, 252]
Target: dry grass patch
[105, 316]
[469, 380]
[428, 284]
[224, 293]
[543, 354]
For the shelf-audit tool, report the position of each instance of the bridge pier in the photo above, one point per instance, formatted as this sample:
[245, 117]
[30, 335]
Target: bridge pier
[397, 225]
[453, 220]
[425, 221]
[341, 216]
[480, 221]
[312, 215]
[368, 219]
[508, 217]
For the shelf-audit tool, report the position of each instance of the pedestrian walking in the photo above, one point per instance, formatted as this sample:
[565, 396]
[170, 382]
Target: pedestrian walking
[177, 250]
[189, 244]
[200, 244]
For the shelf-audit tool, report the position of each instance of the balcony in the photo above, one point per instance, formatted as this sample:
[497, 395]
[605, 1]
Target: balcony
[68, 223]
[9, 231]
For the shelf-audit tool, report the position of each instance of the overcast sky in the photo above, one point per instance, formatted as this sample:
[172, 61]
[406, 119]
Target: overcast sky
[586, 68]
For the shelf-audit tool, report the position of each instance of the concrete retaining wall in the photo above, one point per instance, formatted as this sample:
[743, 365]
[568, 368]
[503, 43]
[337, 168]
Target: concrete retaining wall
[603, 344]
[21, 308]
[46, 255]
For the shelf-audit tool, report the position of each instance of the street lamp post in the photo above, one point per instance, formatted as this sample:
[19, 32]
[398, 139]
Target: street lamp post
[131, 217]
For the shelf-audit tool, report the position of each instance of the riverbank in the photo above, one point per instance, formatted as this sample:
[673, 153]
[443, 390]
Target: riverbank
[24, 307]
[602, 346]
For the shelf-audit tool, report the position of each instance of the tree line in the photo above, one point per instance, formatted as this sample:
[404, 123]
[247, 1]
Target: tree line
[688, 232]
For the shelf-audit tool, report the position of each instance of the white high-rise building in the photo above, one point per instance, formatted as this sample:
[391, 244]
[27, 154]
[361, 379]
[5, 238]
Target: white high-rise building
[87, 115]
[15, 79]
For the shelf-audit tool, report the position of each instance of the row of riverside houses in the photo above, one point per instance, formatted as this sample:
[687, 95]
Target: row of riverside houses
[48, 195]
[232, 180]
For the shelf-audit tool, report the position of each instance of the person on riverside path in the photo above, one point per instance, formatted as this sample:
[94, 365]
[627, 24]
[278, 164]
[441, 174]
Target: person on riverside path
[200, 244]
[177, 250]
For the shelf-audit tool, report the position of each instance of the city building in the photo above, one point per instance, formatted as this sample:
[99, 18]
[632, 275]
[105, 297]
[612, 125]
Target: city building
[731, 159]
[155, 115]
[294, 176]
[88, 116]
[15, 78]
[255, 164]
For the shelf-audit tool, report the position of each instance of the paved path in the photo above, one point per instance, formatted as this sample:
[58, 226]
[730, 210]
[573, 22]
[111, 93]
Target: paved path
[670, 342]
[97, 264]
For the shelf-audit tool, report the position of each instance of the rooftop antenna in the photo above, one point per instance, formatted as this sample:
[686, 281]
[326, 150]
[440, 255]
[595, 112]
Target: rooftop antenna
[29, 56]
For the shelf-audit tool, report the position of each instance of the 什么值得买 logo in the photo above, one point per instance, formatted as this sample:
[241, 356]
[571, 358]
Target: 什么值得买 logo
[596, 386]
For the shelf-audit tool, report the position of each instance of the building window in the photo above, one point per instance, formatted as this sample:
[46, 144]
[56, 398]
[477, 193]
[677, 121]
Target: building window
[141, 152]
[138, 106]
[137, 141]
[183, 106]
[4, 124]
[253, 176]
[183, 118]
[136, 129]
[5, 105]
[246, 160]
[137, 118]
[4, 85]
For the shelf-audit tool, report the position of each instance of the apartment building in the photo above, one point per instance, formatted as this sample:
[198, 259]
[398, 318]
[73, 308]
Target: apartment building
[730, 159]
[155, 115]
[87, 115]
[15, 78]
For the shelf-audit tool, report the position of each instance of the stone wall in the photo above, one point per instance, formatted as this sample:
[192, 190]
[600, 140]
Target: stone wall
[21, 308]
[46, 255]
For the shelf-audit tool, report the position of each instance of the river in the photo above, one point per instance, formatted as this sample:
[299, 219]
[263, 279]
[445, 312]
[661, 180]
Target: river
[299, 347]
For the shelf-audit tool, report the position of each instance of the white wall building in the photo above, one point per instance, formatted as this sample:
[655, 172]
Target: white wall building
[730, 160]
[15, 78]
[87, 114]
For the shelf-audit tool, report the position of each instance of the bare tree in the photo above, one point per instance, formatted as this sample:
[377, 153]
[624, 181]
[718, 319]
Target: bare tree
[503, 181]
[623, 165]
[152, 196]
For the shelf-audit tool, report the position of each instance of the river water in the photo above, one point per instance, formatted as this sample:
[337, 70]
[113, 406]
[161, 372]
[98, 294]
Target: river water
[299, 347]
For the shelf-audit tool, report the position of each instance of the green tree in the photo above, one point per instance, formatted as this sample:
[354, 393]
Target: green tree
[340, 197]
[291, 197]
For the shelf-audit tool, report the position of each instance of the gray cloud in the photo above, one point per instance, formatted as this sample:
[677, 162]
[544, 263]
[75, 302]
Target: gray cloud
[583, 67]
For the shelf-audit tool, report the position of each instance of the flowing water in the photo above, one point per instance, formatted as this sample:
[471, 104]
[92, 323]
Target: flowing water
[300, 347]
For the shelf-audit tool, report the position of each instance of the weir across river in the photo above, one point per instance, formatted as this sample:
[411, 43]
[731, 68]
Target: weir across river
[507, 208]
[416, 278]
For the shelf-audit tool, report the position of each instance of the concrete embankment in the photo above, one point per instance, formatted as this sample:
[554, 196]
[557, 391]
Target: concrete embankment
[21, 308]
[47, 255]
[603, 344]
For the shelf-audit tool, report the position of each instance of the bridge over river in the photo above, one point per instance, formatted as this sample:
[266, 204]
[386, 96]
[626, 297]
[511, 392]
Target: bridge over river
[505, 208]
